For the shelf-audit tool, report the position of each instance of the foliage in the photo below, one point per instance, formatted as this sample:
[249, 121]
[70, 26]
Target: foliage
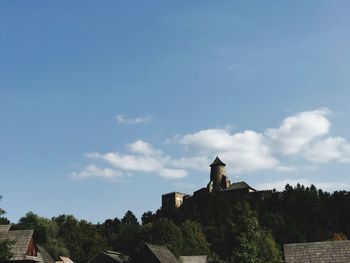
[148, 217]
[129, 219]
[339, 236]
[5, 246]
[5, 250]
[163, 232]
[80, 237]
[193, 238]
[228, 229]
[45, 233]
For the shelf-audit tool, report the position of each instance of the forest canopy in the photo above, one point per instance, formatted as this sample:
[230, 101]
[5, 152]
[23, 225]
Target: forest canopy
[229, 230]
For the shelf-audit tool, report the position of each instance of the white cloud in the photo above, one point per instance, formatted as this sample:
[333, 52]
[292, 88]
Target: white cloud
[137, 120]
[283, 168]
[92, 171]
[200, 163]
[329, 149]
[245, 151]
[296, 132]
[173, 173]
[280, 185]
[128, 162]
[208, 140]
[142, 147]
[144, 158]
[302, 135]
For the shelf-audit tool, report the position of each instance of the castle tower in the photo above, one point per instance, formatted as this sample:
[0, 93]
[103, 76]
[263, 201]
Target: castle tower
[218, 178]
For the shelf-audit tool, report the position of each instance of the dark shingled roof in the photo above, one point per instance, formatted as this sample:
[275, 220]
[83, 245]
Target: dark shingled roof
[21, 239]
[217, 162]
[64, 260]
[238, 186]
[162, 253]
[318, 252]
[5, 228]
[43, 255]
[194, 259]
[119, 257]
[110, 256]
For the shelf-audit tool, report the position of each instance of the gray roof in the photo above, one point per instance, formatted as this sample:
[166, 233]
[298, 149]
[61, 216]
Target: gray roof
[194, 259]
[21, 239]
[217, 162]
[64, 260]
[119, 257]
[112, 255]
[318, 252]
[239, 186]
[162, 253]
[43, 255]
[5, 228]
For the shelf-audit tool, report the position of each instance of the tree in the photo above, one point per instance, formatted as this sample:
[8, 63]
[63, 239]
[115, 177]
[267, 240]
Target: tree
[163, 232]
[129, 219]
[5, 246]
[43, 228]
[148, 217]
[46, 233]
[5, 250]
[128, 240]
[81, 238]
[339, 236]
[250, 243]
[194, 241]
[110, 230]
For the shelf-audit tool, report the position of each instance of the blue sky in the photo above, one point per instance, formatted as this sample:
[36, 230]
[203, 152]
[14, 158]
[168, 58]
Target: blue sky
[106, 105]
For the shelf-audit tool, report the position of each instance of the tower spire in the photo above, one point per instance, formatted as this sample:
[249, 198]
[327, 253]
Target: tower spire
[218, 179]
[217, 162]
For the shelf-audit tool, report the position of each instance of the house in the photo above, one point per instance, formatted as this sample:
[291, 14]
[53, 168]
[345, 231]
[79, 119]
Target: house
[155, 254]
[318, 252]
[24, 248]
[64, 260]
[194, 259]
[109, 256]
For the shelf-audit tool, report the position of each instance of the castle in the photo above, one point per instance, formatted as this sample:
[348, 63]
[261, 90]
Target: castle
[219, 182]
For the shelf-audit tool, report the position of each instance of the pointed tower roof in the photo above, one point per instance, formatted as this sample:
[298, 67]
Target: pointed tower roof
[217, 162]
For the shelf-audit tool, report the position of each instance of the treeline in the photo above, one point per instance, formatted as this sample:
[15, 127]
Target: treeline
[229, 230]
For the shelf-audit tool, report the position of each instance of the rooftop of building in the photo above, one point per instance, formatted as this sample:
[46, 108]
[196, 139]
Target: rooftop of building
[21, 240]
[318, 252]
[239, 186]
[162, 253]
[217, 162]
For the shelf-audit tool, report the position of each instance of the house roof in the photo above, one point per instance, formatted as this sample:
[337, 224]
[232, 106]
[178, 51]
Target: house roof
[21, 239]
[194, 259]
[238, 186]
[64, 260]
[162, 253]
[5, 228]
[119, 257]
[318, 252]
[115, 256]
[43, 255]
[217, 162]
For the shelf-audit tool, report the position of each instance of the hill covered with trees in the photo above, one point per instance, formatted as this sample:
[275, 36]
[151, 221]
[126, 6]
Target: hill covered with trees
[229, 230]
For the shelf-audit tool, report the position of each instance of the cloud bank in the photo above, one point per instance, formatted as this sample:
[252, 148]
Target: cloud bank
[305, 135]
